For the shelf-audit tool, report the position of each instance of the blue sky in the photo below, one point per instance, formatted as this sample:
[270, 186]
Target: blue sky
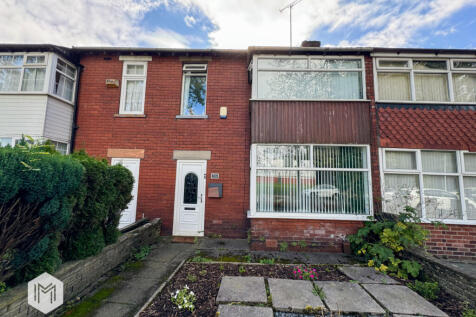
[240, 23]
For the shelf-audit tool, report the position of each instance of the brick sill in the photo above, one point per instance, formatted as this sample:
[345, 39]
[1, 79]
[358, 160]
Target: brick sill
[116, 115]
[191, 117]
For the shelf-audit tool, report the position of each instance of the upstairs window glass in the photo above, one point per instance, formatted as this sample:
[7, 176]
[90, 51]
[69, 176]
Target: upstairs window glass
[194, 93]
[133, 88]
[32, 68]
[426, 80]
[64, 80]
[309, 78]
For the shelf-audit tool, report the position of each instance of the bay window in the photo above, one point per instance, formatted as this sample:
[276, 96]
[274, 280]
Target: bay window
[65, 77]
[440, 185]
[308, 78]
[426, 80]
[310, 181]
[22, 73]
[133, 88]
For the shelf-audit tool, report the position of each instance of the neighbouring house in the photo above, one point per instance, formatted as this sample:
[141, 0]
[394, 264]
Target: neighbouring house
[288, 145]
[37, 94]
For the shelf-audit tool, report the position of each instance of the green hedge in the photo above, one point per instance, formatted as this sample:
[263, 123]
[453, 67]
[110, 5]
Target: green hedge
[104, 192]
[35, 187]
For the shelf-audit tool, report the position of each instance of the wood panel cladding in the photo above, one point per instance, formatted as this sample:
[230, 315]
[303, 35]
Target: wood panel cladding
[322, 122]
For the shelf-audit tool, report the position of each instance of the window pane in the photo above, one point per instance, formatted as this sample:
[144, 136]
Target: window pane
[470, 162]
[464, 86]
[282, 63]
[401, 191]
[194, 95]
[60, 147]
[70, 71]
[431, 87]
[442, 197]
[5, 142]
[11, 60]
[283, 156]
[340, 157]
[470, 196]
[325, 192]
[9, 79]
[61, 66]
[64, 86]
[309, 85]
[400, 160]
[134, 96]
[335, 64]
[33, 79]
[394, 86]
[439, 162]
[393, 63]
[190, 190]
[464, 64]
[135, 69]
[40, 59]
[429, 65]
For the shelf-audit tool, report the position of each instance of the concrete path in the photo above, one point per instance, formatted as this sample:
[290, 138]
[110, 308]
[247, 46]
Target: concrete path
[369, 293]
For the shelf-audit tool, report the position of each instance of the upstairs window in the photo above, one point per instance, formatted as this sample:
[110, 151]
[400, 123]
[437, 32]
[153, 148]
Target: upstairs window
[64, 80]
[308, 78]
[194, 94]
[133, 88]
[426, 80]
[22, 73]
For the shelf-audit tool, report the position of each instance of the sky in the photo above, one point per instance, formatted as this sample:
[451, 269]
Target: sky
[239, 23]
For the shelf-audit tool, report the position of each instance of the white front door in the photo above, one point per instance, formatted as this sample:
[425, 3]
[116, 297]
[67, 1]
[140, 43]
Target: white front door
[189, 210]
[128, 215]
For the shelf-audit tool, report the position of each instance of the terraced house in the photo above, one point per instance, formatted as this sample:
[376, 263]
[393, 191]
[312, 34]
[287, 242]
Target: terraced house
[284, 144]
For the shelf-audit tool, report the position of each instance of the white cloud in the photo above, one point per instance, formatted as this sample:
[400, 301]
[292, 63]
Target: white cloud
[84, 23]
[189, 20]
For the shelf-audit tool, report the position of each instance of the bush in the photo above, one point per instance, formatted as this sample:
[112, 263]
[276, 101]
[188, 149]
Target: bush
[34, 202]
[381, 243]
[429, 290]
[104, 192]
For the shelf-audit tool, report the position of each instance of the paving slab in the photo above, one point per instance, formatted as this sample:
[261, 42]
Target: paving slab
[293, 295]
[114, 309]
[366, 275]
[245, 289]
[240, 311]
[399, 299]
[348, 297]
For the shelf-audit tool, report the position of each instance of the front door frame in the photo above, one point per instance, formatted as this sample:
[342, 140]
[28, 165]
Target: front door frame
[178, 196]
[135, 188]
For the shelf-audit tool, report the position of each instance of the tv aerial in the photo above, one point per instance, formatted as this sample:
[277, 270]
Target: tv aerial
[290, 7]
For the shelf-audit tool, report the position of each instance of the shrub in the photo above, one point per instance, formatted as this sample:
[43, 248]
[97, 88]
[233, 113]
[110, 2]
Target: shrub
[381, 243]
[104, 192]
[429, 290]
[35, 186]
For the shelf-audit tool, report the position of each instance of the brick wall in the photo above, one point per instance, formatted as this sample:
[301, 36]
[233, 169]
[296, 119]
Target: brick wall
[160, 133]
[454, 242]
[318, 235]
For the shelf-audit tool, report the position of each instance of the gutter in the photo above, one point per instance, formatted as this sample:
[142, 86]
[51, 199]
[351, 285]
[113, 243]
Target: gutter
[74, 127]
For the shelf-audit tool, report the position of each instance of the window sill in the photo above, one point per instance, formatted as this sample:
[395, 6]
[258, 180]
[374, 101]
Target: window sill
[436, 103]
[191, 117]
[309, 216]
[118, 115]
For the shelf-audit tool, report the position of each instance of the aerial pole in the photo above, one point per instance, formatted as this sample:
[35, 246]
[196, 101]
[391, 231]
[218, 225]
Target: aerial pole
[290, 7]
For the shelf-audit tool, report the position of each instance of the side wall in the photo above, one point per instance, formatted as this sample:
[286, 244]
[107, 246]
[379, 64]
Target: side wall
[160, 133]
[22, 114]
[59, 120]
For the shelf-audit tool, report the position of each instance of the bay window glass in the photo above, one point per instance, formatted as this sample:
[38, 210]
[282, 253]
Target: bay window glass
[433, 187]
[6, 141]
[10, 79]
[64, 80]
[33, 79]
[133, 88]
[11, 60]
[394, 86]
[309, 78]
[464, 87]
[312, 179]
[393, 63]
[431, 87]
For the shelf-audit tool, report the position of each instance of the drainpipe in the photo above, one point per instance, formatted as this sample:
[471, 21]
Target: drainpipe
[74, 127]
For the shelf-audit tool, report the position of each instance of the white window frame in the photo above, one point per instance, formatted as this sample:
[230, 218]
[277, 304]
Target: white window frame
[450, 70]
[125, 78]
[55, 143]
[460, 173]
[252, 213]
[22, 71]
[255, 69]
[192, 73]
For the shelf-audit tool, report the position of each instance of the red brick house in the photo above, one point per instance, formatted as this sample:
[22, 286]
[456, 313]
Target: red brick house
[286, 145]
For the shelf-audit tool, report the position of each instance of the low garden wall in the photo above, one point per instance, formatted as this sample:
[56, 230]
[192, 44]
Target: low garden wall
[453, 279]
[77, 276]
